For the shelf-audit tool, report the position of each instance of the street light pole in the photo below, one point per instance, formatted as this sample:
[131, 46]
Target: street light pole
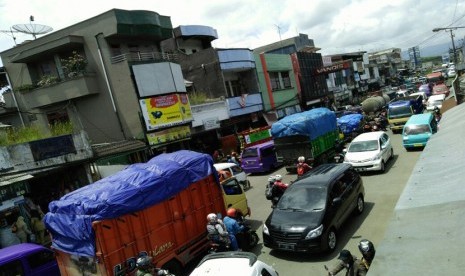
[451, 36]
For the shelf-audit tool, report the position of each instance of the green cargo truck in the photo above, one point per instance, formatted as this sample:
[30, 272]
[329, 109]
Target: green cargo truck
[312, 134]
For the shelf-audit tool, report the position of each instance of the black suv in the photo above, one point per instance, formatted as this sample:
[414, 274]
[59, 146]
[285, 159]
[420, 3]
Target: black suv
[311, 211]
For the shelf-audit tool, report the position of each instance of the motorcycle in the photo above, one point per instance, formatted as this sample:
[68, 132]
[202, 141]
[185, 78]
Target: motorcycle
[247, 239]
[269, 187]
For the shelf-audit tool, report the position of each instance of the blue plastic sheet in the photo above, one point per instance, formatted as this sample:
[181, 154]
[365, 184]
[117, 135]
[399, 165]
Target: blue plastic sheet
[349, 123]
[135, 188]
[312, 123]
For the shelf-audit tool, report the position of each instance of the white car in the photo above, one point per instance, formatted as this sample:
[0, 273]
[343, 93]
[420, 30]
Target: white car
[451, 73]
[233, 263]
[369, 151]
[236, 171]
[435, 101]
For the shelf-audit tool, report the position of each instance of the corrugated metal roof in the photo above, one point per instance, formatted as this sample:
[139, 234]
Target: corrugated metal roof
[109, 149]
[426, 234]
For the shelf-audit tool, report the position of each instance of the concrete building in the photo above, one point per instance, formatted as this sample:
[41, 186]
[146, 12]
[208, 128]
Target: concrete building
[383, 65]
[223, 87]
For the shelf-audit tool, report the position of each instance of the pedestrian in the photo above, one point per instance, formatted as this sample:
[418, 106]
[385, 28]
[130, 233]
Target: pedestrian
[38, 226]
[22, 230]
[349, 262]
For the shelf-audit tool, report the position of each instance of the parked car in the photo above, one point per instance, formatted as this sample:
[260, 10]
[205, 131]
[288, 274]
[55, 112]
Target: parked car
[312, 210]
[435, 101]
[236, 171]
[233, 263]
[369, 151]
[441, 89]
[28, 259]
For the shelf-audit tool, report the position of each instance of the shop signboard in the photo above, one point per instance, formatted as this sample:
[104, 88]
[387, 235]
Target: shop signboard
[165, 111]
[169, 135]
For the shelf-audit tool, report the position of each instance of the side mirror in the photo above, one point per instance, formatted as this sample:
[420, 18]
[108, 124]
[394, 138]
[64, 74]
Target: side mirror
[337, 201]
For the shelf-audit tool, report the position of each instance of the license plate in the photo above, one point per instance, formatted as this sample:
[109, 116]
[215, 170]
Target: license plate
[360, 169]
[418, 145]
[286, 246]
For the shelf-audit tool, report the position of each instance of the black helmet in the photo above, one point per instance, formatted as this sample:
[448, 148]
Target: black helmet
[345, 256]
[366, 247]
[144, 262]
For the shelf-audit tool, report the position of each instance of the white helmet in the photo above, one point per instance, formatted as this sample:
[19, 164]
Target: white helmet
[301, 159]
[212, 217]
[278, 177]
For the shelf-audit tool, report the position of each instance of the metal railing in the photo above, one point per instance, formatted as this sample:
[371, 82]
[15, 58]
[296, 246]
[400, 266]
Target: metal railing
[138, 56]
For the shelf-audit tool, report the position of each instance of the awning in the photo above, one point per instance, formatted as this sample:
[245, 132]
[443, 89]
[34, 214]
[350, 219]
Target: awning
[10, 179]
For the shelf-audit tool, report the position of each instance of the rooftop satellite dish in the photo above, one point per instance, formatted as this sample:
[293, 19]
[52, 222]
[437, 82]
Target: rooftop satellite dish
[33, 29]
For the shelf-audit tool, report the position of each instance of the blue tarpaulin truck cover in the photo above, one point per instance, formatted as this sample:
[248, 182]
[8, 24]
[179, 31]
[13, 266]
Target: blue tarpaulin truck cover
[349, 123]
[312, 123]
[133, 189]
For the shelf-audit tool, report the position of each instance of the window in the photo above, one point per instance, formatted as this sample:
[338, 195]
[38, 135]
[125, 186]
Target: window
[236, 170]
[12, 268]
[232, 187]
[274, 79]
[233, 88]
[40, 258]
[286, 79]
[280, 80]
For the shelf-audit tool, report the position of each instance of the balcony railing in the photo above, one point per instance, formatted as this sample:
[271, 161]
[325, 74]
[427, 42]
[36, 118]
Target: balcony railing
[67, 89]
[144, 57]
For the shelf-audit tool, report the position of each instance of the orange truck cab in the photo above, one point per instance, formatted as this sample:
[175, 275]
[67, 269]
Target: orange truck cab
[158, 208]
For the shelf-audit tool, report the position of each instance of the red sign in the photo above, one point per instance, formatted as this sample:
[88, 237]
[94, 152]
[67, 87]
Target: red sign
[332, 68]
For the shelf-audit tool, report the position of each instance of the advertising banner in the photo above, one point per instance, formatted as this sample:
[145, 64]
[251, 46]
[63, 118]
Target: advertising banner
[165, 111]
[169, 135]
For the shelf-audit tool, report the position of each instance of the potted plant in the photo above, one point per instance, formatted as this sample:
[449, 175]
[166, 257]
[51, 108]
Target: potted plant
[75, 65]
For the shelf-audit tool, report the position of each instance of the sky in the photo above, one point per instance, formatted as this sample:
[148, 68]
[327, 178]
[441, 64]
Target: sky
[336, 26]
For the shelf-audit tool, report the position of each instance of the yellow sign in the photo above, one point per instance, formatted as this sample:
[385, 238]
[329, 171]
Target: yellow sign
[185, 108]
[165, 111]
[169, 135]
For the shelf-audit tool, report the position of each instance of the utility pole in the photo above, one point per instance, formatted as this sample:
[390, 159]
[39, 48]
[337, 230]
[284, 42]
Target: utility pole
[452, 37]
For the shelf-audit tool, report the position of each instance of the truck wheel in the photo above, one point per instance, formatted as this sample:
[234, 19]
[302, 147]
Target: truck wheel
[174, 267]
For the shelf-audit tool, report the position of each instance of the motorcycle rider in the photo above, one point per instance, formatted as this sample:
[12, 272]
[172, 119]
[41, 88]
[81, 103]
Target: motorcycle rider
[352, 265]
[233, 227]
[217, 232]
[368, 251]
[302, 167]
[145, 267]
[278, 189]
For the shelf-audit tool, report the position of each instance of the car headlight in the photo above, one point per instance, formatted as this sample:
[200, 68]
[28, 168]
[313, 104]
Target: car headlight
[376, 157]
[315, 232]
[265, 230]
[405, 137]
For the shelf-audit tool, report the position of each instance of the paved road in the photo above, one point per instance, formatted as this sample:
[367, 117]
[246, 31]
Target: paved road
[382, 193]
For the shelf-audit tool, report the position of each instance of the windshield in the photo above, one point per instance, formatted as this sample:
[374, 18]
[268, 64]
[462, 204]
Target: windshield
[416, 129]
[399, 111]
[303, 198]
[249, 153]
[362, 146]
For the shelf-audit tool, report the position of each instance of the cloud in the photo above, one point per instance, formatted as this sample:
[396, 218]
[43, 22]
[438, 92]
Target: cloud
[335, 26]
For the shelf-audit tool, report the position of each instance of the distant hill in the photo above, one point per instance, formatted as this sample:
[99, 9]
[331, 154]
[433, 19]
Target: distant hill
[430, 51]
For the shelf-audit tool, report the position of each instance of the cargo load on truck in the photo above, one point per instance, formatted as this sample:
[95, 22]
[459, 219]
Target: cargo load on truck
[157, 208]
[375, 104]
[350, 123]
[311, 134]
